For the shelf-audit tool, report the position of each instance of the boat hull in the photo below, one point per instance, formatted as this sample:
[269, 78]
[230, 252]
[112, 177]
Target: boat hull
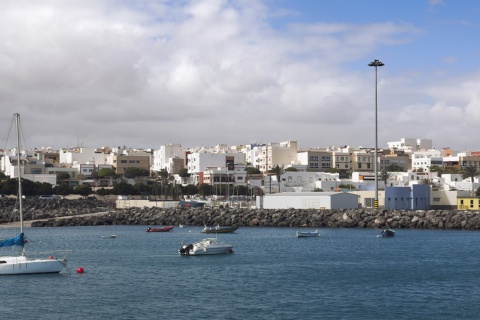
[387, 233]
[206, 247]
[163, 229]
[226, 229]
[301, 234]
[24, 265]
[191, 204]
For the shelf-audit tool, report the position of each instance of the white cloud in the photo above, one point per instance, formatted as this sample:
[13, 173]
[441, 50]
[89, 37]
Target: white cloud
[145, 73]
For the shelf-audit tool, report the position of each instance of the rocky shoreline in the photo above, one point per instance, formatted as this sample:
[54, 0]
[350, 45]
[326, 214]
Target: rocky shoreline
[51, 211]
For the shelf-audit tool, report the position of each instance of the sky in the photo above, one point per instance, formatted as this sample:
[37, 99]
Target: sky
[145, 73]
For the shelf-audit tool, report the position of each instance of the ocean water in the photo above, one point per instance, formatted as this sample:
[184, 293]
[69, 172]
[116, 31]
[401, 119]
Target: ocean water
[343, 274]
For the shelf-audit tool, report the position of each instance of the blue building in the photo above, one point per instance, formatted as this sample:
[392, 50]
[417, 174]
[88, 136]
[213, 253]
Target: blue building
[405, 198]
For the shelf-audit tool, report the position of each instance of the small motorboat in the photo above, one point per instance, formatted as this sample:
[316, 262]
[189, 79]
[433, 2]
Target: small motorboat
[161, 229]
[302, 234]
[206, 246]
[219, 229]
[387, 233]
[112, 236]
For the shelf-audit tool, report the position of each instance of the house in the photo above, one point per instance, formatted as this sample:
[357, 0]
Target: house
[468, 203]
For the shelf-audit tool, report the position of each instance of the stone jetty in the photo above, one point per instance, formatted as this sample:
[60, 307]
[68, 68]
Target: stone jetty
[79, 213]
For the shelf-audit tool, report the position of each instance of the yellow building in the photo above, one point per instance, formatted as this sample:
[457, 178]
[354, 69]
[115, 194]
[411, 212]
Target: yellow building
[468, 203]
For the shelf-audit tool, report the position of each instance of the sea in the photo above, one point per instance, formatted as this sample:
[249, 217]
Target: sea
[272, 274]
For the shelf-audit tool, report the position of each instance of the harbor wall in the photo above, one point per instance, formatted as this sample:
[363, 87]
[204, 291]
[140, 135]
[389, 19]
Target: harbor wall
[352, 218]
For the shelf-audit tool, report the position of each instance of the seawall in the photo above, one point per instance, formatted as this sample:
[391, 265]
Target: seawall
[359, 218]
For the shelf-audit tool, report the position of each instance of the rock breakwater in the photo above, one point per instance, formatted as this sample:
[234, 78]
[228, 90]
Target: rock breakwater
[358, 218]
[50, 209]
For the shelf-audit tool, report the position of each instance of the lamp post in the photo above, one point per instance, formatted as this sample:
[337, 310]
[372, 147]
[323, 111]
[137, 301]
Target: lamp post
[376, 63]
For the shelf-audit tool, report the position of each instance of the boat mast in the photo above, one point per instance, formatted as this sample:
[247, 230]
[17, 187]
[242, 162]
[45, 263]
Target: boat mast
[20, 208]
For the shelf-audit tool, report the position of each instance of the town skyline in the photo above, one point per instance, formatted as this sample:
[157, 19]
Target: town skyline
[207, 72]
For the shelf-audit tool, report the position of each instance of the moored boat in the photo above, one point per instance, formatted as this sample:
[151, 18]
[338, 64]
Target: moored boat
[206, 246]
[387, 233]
[220, 229]
[301, 234]
[19, 264]
[161, 229]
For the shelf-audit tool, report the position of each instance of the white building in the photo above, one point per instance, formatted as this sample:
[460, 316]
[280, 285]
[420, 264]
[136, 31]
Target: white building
[410, 144]
[282, 154]
[199, 163]
[309, 200]
[168, 157]
[424, 159]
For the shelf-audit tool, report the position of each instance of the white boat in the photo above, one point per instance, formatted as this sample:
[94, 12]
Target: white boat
[206, 246]
[112, 236]
[21, 264]
[301, 234]
[220, 229]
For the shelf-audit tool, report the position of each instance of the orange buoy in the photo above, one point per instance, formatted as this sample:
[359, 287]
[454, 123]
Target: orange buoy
[51, 257]
[80, 270]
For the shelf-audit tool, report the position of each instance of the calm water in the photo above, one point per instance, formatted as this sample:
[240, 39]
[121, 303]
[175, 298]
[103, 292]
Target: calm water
[344, 274]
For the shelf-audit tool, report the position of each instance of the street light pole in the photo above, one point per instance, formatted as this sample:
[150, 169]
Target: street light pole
[376, 63]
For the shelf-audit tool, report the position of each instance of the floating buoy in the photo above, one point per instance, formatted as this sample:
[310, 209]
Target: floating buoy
[51, 257]
[80, 270]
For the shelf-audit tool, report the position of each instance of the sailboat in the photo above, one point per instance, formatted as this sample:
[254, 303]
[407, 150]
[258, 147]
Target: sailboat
[21, 264]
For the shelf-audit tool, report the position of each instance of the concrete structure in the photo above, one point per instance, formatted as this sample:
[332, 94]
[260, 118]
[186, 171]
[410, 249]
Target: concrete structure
[309, 200]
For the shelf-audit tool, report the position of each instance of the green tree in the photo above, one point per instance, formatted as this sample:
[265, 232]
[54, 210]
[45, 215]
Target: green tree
[183, 173]
[143, 188]
[425, 181]
[477, 192]
[124, 188]
[252, 170]
[277, 170]
[107, 173]
[103, 192]
[291, 169]
[133, 172]
[83, 190]
[452, 170]
[394, 168]
[63, 190]
[205, 189]
[63, 177]
[385, 176]
[190, 189]
[437, 169]
[470, 172]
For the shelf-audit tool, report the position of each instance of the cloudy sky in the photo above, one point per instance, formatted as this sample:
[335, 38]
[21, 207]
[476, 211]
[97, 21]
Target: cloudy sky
[143, 73]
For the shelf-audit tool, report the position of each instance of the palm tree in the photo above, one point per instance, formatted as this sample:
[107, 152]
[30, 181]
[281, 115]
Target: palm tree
[470, 172]
[385, 176]
[437, 169]
[425, 181]
[277, 170]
